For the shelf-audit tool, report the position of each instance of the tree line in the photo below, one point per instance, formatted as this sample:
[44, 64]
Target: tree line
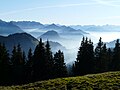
[38, 65]
[96, 60]
[42, 64]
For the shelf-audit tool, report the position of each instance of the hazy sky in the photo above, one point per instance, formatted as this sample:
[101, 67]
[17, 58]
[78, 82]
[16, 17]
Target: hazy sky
[66, 12]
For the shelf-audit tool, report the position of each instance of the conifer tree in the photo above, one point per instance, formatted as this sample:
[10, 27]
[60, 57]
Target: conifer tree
[59, 66]
[116, 57]
[110, 58]
[19, 55]
[98, 56]
[18, 61]
[28, 66]
[39, 62]
[104, 62]
[30, 56]
[4, 64]
[23, 57]
[85, 58]
[14, 55]
[49, 61]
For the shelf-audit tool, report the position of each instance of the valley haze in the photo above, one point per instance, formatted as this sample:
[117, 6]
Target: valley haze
[67, 37]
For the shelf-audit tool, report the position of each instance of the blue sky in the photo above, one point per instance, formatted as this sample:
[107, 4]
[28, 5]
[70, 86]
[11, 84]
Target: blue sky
[68, 12]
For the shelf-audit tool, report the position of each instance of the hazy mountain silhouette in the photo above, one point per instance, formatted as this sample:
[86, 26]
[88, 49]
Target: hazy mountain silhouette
[25, 40]
[98, 28]
[8, 28]
[50, 35]
[28, 24]
[111, 44]
[52, 27]
[55, 46]
[36, 25]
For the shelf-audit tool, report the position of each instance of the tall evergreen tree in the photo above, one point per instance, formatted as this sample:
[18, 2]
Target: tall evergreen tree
[28, 66]
[4, 64]
[23, 57]
[85, 58]
[116, 57]
[110, 58]
[98, 56]
[14, 55]
[49, 61]
[60, 67]
[39, 62]
[104, 62]
[19, 55]
[18, 62]
[30, 57]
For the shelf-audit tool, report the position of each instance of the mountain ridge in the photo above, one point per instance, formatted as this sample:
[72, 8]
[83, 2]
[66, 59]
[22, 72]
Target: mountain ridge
[9, 28]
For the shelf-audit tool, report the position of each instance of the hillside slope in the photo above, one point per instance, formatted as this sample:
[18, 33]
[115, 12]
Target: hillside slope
[7, 28]
[109, 80]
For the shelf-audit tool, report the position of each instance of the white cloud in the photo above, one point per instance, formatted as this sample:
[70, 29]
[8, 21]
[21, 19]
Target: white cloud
[46, 7]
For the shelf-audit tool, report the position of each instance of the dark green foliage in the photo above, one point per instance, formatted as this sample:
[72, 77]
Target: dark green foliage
[18, 61]
[30, 57]
[49, 62]
[85, 58]
[45, 66]
[39, 62]
[116, 57]
[102, 57]
[28, 66]
[4, 65]
[98, 56]
[42, 65]
[100, 60]
[60, 67]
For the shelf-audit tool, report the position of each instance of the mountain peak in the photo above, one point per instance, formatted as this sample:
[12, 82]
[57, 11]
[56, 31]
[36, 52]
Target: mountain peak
[52, 26]
[28, 24]
[50, 35]
[8, 28]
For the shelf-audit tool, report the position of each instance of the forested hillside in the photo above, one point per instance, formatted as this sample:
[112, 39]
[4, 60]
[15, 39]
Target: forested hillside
[42, 64]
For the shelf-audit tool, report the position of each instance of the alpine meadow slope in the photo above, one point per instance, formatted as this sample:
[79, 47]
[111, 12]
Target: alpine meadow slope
[106, 81]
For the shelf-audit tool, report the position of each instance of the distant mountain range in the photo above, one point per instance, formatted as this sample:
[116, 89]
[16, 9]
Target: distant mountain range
[26, 41]
[62, 29]
[7, 28]
[97, 28]
[28, 24]
[40, 27]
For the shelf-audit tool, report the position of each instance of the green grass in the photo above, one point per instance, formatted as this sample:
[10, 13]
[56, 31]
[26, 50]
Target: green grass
[104, 81]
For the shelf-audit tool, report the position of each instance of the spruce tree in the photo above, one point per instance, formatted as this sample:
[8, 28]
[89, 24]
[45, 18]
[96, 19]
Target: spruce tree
[104, 59]
[39, 69]
[84, 63]
[59, 66]
[4, 65]
[110, 58]
[98, 56]
[30, 56]
[49, 61]
[14, 55]
[116, 57]
[28, 66]
[18, 61]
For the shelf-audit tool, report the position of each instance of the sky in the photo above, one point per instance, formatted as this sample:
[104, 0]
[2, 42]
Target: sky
[65, 12]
